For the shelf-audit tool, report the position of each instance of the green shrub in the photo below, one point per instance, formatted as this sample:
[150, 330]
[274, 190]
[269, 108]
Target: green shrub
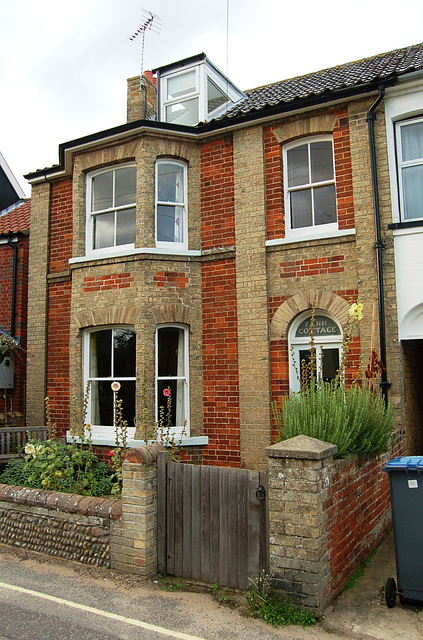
[59, 466]
[354, 419]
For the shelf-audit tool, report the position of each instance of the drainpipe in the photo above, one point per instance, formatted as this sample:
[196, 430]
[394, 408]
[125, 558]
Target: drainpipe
[371, 117]
[14, 246]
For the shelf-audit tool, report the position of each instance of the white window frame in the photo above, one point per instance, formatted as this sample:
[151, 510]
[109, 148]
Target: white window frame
[183, 428]
[296, 344]
[403, 164]
[196, 94]
[173, 246]
[313, 229]
[90, 215]
[101, 431]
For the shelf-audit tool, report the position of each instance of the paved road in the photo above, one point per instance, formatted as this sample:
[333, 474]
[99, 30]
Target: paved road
[56, 600]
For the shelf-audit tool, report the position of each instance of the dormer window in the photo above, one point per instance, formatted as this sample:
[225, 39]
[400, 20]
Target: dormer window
[182, 99]
[193, 91]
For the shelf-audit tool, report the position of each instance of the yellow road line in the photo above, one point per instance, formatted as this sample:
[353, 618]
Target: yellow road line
[105, 614]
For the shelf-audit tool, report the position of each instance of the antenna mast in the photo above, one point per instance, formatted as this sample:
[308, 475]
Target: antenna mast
[150, 22]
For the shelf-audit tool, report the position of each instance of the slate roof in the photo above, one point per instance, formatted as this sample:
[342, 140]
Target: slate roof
[17, 219]
[382, 67]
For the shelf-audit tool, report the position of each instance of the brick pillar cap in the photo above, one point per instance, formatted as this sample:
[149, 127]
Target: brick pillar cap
[146, 455]
[302, 447]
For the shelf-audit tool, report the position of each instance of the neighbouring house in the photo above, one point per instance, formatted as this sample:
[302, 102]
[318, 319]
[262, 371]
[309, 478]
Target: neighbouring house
[14, 250]
[185, 249]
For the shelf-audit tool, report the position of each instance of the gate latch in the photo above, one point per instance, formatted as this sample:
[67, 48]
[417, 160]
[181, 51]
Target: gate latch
[261, 492]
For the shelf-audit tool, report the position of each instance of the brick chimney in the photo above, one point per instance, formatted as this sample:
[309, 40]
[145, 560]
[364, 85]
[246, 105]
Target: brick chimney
[142, 100]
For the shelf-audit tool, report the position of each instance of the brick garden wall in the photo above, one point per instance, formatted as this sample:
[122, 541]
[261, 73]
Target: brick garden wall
[358, 515]
[325, 517]
[62, 525]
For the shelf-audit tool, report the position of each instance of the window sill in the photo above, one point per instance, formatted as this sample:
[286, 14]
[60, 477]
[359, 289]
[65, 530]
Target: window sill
[310, 237]
[410, 224]
[135, 252]
[104, 441]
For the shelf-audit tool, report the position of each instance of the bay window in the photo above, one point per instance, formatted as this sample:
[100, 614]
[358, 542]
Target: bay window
[109, 356]
[171, 214]
[111, 197]
[172, 376]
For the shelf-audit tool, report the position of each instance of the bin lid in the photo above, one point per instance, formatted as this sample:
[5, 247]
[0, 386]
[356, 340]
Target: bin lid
[409, 463]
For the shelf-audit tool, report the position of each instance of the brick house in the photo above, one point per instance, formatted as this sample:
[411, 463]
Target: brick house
[14, 251]
[186, 250]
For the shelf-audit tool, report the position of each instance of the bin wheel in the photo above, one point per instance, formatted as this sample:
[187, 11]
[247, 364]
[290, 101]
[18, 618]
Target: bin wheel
[390, 592]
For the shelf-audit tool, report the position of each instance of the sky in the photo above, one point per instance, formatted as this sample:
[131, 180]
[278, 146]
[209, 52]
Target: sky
[64, 65]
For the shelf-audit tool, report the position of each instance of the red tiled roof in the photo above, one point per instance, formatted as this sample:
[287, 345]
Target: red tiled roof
[17, 219]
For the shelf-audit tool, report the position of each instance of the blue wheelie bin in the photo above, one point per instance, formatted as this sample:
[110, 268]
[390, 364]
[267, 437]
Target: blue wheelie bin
[406, 483]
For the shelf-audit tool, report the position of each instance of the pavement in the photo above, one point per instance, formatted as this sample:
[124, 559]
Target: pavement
[361, 613]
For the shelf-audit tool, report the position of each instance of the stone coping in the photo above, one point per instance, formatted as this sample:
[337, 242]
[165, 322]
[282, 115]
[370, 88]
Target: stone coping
[108, 508]
[302, 447]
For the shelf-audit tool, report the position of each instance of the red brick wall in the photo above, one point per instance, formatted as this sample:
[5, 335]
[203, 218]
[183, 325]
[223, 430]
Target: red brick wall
[274, 186]
[359, 514]
[220, 364]
[217, 194]
[59, 301]
[274, 179]
[15, 396]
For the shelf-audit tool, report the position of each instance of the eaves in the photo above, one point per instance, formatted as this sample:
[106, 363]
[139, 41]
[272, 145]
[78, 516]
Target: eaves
[202, 130]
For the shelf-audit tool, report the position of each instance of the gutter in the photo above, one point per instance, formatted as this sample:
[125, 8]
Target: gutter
[371, 117]
[14, 247]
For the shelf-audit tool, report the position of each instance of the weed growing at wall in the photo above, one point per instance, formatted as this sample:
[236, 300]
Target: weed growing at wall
[263, 605]
[355, 418]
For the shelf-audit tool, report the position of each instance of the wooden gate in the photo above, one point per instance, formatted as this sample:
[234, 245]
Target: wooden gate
[212, 523]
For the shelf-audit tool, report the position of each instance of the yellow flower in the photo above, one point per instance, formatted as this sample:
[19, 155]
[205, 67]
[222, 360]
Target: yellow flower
[30, 449]
[355, 310]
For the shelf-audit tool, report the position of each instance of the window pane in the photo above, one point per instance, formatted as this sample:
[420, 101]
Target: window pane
[412, 181]
[125, 186]
[127, 395]
[102, 403]
[330, 363]
[169, 224]
[170, 182]
[170, 351]
[324, 204]
[298, 166]
[185, 112]
[177, 401]
[124, 353]
[215, 96]
[412, 141]
[125, 231]
[104, 226]
[301, 209]
[321, 161]
[100, 365]
[102, 191]
[181, 84]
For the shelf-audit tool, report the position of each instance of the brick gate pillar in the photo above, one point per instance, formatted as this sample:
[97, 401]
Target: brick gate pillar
[299, 473]
[133, 538]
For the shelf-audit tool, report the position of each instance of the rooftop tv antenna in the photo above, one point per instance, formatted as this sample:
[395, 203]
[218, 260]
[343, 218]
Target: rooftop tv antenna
[150, 22]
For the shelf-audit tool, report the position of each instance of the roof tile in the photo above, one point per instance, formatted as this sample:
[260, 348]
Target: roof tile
[16, 220]
[363, 71]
